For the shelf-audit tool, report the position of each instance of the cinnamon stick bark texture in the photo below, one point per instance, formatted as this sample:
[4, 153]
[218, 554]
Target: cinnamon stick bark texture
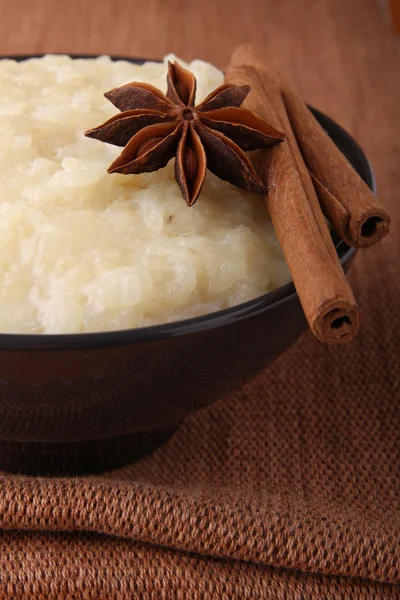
[271, 86]
[325, 295]
[347, 201]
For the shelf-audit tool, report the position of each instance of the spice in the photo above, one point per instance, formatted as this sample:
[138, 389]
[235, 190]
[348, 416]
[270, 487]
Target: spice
[347, 201]
[154, 127]
[326, 297]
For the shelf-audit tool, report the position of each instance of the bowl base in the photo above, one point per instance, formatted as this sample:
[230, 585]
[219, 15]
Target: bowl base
[79, 458]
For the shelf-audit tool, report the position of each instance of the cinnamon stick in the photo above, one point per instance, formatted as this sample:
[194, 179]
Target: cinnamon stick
[271, 85]
[347, 201]
[324, 293]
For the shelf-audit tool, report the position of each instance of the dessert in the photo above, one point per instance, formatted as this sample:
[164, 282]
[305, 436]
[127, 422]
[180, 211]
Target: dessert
[83, 250]
[86, 248]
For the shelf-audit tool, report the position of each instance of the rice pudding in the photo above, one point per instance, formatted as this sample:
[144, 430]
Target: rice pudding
[82, 250]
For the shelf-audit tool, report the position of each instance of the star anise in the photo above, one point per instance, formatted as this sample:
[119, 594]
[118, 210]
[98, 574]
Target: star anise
[154, 127]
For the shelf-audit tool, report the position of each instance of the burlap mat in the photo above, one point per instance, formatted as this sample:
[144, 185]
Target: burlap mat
[288, 489]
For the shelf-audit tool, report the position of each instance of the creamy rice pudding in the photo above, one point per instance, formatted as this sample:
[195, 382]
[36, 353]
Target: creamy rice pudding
[82, 250]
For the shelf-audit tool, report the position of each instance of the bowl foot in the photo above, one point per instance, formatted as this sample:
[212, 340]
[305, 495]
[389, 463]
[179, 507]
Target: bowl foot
[79, 458]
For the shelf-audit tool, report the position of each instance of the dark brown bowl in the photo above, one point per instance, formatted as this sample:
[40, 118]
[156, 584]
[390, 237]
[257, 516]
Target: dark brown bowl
[87, 402]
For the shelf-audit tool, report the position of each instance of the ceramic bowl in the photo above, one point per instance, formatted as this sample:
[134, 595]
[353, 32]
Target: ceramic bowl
[88, 402]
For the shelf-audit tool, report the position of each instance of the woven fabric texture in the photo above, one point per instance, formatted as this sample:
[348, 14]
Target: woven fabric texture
[290, 488]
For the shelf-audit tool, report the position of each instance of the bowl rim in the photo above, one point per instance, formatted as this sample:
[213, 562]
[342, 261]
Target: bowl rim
[261, 304]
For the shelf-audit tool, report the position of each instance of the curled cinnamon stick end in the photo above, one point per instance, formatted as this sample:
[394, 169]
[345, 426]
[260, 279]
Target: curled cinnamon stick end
[346, 200]
[363, 227]
[337, 321]
[325, 295]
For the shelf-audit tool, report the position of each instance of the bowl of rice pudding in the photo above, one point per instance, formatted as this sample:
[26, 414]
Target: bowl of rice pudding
[122, 310]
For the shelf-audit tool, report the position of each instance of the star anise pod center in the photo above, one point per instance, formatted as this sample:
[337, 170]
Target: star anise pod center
[188, 114]
[215, 134]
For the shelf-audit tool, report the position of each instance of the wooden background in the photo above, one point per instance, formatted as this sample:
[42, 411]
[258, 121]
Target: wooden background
[343, 56]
